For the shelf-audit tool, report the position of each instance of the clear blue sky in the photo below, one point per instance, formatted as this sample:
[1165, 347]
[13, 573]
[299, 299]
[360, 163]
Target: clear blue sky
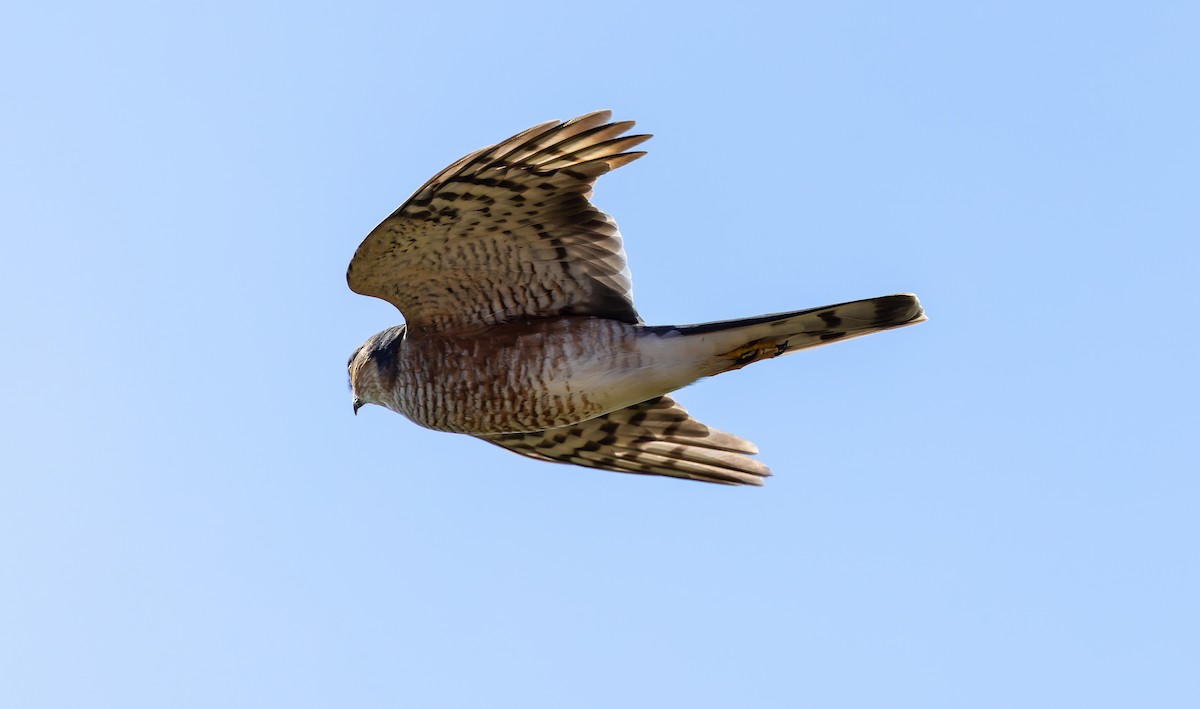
[996, 509]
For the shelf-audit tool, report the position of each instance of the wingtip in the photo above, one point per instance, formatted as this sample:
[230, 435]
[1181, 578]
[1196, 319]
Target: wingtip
[594, 118]
[621, 159]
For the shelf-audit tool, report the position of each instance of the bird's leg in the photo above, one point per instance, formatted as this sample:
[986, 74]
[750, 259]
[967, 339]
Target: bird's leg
[764, 348]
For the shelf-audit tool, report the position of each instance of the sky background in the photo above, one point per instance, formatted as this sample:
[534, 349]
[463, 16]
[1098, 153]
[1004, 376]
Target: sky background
[997, 508]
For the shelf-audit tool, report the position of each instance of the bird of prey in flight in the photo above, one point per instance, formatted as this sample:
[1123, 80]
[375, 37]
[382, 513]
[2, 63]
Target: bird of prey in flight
[520, 327]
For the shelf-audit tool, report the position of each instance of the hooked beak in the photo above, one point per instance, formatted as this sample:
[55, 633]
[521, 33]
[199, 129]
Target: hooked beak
[358, 404]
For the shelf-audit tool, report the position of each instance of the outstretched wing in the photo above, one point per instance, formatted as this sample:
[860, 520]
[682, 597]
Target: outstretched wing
[507, 232]
[655, 437]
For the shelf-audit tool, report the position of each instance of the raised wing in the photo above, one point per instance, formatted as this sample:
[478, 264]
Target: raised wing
[655, 437]
[507, 232]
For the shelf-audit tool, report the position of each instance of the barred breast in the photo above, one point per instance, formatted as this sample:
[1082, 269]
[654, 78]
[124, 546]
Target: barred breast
[521, 376]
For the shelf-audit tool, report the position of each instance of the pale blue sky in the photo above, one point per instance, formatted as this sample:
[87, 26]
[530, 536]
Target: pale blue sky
[997, 508]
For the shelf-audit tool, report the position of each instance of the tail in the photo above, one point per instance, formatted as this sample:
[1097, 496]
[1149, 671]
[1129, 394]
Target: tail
[737, 343]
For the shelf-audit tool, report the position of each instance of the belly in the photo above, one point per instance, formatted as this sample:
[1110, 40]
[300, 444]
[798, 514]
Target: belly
[520, 377]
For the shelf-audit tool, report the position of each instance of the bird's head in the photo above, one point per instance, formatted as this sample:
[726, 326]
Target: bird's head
[372, 367]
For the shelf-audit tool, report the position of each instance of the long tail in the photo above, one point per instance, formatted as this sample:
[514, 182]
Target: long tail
[737, 343]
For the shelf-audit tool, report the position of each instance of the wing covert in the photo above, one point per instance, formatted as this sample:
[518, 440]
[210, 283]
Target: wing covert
[655, 437]
[507, 232]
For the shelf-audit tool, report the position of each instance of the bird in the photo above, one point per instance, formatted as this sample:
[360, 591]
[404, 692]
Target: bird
[519, 324]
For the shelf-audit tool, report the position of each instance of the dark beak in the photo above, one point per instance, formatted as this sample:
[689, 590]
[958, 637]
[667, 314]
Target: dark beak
[358, 404]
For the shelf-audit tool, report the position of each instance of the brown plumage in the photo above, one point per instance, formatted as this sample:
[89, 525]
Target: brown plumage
[519, 320]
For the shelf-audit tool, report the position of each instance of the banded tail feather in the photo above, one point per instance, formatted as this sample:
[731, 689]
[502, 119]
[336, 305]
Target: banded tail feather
[740, 342]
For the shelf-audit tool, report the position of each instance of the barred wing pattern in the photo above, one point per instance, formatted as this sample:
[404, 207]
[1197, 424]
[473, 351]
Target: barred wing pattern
[507, 232]
[655, 437]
